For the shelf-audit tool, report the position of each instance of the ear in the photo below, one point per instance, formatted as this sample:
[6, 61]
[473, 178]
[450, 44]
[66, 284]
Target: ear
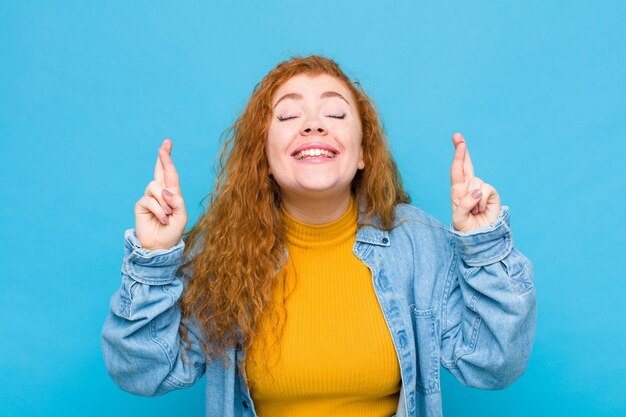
[361, 164]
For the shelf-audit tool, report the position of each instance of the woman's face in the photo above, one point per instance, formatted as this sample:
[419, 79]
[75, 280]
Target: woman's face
[314, 139]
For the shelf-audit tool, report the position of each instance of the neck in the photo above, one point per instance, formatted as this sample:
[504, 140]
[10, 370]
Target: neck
[320, 210]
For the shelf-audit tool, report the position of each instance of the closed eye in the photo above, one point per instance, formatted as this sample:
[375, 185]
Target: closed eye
[283, 118]
[335, 116]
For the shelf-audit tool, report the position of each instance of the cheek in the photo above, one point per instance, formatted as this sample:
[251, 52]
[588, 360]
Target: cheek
[274, 149]
[273, 159]
[356, 142]
[277, 136]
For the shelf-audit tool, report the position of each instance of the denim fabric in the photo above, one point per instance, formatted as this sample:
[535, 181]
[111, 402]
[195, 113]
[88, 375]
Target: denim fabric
[464, 301]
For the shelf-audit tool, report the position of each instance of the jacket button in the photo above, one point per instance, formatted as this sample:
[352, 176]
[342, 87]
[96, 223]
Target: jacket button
[245, 404]
[385, 240]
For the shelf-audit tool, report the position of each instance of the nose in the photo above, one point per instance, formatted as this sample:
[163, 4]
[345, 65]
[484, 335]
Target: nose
[313, 126]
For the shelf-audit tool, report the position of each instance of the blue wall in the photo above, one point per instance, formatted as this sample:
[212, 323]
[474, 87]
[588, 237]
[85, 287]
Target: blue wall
[89, 91]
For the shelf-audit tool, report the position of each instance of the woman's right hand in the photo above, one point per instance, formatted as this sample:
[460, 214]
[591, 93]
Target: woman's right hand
[160, 215]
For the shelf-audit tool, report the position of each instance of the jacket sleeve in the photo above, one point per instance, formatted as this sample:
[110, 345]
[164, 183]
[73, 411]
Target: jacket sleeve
[140, 341]
[489, 307]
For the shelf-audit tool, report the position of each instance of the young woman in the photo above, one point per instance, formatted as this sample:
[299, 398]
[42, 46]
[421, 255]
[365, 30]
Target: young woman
[310, 287]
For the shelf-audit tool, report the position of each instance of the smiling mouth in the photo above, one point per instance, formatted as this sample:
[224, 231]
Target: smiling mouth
[313, 153]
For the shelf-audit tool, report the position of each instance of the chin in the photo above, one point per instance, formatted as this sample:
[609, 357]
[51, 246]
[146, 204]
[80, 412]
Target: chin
[316, 188]
[323, 188]
[313, 185]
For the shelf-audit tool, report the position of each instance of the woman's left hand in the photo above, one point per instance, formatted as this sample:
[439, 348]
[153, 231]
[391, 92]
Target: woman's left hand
[474, 202]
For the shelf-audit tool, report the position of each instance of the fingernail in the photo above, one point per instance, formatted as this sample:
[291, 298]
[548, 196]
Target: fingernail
[476, 193]
[167, 193]
[167, 209]
[165, 220]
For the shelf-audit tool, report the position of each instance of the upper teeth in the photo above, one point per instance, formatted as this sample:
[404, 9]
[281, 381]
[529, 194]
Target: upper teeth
[314, 152]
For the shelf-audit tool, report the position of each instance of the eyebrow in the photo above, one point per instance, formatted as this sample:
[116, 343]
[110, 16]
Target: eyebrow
[297, 96]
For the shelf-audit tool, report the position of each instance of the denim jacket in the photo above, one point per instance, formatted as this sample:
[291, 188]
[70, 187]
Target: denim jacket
[463, 300]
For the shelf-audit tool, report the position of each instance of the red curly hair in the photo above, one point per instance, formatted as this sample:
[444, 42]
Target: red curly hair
[241, 233]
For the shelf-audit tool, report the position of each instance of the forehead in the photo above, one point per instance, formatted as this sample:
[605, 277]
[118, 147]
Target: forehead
[312, 84]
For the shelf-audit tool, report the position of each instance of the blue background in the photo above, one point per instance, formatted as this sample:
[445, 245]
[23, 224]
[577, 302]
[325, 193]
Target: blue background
[89, 91]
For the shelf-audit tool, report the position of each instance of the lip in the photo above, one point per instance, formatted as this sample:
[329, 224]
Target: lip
[315, 145]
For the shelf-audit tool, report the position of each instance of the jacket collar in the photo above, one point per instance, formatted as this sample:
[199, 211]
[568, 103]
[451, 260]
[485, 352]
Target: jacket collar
[371, 234]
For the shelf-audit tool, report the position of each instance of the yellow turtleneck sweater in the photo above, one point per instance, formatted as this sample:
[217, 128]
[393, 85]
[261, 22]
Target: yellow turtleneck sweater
[335, 356]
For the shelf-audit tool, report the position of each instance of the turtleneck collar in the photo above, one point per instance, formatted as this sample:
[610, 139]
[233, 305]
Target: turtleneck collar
[321, 235]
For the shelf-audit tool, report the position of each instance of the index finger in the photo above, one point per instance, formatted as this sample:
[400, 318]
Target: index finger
[468, 167]
[457, 175]
[169, 170]
[159, 174]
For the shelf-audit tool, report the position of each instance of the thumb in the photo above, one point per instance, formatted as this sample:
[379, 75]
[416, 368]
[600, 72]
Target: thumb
[175, 201]
[466, 205]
